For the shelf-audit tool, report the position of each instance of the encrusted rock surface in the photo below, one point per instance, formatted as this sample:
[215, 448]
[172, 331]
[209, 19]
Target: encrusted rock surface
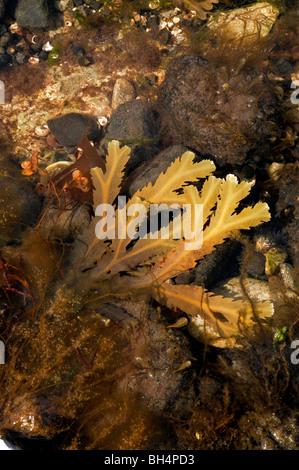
[32, 13]
[225, 117]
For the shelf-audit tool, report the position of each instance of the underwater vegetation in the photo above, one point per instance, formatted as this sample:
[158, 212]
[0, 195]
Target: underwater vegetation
[57, 336]
[121, 343]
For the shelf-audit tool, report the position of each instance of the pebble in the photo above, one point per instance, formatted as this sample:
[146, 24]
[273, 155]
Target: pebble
[33, 60]
[47, 47]
[123, 92]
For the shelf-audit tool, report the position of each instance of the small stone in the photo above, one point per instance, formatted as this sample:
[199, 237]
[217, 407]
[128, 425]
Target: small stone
[123, 92]
[47, 47]
[176, 19]
[33, 60]
[70, 128]
[11, 50]
[15, 28]
[32, 14]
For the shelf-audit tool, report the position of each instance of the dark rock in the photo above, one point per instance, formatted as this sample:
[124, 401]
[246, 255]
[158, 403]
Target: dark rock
[69, 129]
[135, 124]
[226, 117]
[32, 14]
[288, 209]
[284, 67]
[36, 47]
[217, 265]
[123, 91]
[133, 121]
[43, 55]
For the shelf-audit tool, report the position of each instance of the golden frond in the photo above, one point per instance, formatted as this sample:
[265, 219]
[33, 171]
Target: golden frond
[215, 319]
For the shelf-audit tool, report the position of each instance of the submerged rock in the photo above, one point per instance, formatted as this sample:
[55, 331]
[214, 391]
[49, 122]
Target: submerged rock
[69, 129]
[216, 114]
[65, 224]
[288, 209]
[133, 121]
[123, 92]
[32, 14]
[135, 124]
[247, 25]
